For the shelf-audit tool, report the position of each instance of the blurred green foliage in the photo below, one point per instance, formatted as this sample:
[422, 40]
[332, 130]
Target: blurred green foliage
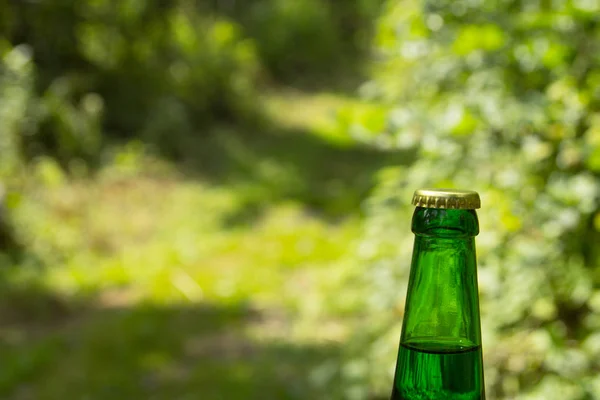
[165, 72]
[265, 278]
[309, 40]
[501, 97]
[130, 69]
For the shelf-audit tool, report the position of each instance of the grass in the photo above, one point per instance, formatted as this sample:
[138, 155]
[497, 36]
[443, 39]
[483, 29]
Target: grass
[148, 282]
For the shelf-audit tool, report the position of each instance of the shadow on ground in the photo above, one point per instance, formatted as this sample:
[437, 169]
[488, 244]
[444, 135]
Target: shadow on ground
[275, 165]
[152, 352]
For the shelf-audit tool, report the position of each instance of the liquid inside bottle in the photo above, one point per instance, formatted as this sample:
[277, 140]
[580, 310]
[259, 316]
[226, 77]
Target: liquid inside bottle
[432, 371]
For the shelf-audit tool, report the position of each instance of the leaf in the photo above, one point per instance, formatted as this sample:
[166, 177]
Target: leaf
[478, 37]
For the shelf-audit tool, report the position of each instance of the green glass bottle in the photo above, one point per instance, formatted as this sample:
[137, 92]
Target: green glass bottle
[440, 355]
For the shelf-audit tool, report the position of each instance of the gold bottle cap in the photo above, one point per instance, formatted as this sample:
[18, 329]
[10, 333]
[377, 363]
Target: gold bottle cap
[447, 198]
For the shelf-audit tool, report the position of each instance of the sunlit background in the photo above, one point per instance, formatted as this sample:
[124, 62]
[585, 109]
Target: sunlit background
[211, 199]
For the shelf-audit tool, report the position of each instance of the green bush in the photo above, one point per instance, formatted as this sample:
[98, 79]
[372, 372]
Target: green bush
[163, 72]
[307, 41]
[501, 97]
[167, 72]
[16, 91]
[16, 114]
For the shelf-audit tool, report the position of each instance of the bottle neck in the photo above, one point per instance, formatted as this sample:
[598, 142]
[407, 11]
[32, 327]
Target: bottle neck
[437, 222]
[442, 307]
